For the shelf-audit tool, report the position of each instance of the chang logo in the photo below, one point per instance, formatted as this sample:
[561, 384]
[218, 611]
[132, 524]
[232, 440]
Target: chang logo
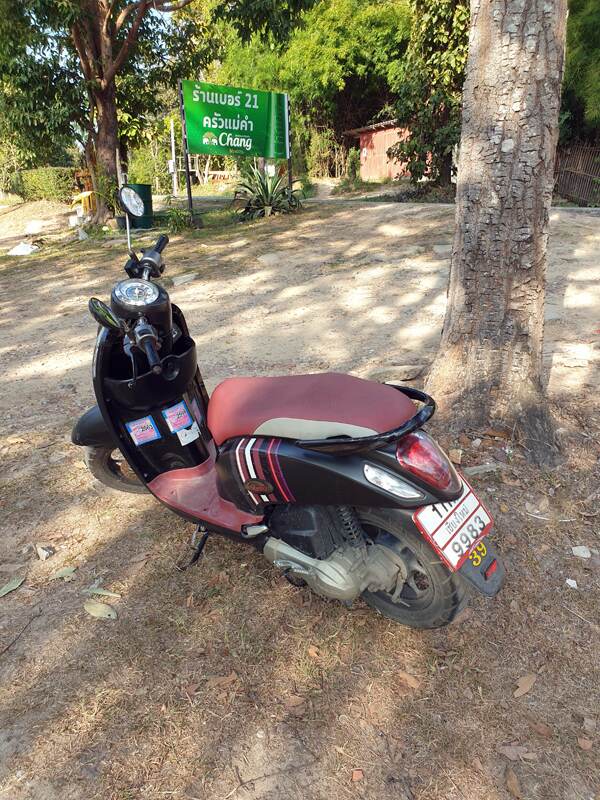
[210, 139]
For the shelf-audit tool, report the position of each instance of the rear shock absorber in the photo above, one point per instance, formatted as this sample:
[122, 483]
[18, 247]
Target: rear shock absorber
[351, 527]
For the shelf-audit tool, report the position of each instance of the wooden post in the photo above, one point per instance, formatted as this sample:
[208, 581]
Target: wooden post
[174, 160]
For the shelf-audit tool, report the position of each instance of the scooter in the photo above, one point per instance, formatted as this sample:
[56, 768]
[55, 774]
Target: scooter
[331, 477]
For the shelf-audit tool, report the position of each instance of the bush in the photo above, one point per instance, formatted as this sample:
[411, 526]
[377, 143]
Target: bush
[353, 164]
[48, 183]
[266, 195]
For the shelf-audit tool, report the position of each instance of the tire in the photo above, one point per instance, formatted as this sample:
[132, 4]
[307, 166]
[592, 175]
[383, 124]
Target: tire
[109, 467]
[432, 596]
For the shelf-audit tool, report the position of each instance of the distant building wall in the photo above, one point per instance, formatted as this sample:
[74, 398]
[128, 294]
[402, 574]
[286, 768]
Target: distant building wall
[374, 143]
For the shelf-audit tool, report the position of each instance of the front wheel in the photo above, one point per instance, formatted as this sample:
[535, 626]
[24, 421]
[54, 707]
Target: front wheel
[110, 468]
[430, 596]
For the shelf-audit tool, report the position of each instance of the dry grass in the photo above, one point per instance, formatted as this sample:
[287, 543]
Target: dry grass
[226, 682]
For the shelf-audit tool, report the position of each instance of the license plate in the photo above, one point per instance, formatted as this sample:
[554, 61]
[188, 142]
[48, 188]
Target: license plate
[455, 529]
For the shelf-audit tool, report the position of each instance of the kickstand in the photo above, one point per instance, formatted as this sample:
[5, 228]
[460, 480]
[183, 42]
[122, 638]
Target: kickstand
[196, 545]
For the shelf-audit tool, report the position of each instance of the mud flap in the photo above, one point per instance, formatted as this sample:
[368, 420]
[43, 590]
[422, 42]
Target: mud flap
[488, 577]
[90, 430]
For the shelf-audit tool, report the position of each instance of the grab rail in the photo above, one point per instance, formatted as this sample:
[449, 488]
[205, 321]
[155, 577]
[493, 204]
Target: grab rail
[347, 444]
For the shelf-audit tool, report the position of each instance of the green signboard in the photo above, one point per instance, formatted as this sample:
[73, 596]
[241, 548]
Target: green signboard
[226, 120]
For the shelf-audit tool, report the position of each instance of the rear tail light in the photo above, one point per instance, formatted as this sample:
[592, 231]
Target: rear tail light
[420, 455]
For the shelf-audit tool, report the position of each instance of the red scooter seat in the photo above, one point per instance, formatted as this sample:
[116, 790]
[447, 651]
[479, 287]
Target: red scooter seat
[305, 407]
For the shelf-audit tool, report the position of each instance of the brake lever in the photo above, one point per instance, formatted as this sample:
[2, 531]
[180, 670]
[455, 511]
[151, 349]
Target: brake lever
[129, 350]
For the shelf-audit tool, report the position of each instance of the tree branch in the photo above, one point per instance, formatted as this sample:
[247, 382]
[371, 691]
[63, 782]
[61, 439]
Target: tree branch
[86, 66]
[127, 11]
[109, 75]
[111, 8]
[159, 5]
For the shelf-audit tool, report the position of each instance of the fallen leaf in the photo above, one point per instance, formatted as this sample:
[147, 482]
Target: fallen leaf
[512, 751]
[497, 433]
[504, 508]
[13, 584]
[589, 724]
[584, 743]
[190, 689]
[294, 700]
[542, 729]
[222, 681]
[295, 704]
[512, 783]
[313, 651]
[101, 591]
[357, 775]
[139, 557]
[99, 610]
[189, 602]
[477, 764]
[455, 455]
[524, 684]
[66, 573]
[408, 679]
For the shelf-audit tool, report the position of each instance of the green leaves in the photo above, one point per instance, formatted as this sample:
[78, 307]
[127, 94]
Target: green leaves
[265, 194]
[429, 87]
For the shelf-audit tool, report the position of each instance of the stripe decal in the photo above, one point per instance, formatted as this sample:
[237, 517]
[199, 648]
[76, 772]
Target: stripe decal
[281, 475]
[251, 470]
[274, 470]
[257, 458]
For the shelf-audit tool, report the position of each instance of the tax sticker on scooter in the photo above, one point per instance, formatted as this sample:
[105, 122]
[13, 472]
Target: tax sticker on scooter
[177, 417]
[143, 430]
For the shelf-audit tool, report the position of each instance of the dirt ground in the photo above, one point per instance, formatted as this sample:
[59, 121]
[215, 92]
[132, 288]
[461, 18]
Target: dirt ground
[227, 682]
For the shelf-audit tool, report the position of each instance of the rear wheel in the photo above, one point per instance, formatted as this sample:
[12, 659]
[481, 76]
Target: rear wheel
[110, 468]
[430, 595]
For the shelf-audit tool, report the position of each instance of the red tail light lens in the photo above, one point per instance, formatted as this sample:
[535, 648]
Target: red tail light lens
[419, 454]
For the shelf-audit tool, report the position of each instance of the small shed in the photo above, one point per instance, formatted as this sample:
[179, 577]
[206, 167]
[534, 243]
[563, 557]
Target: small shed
[374, 142]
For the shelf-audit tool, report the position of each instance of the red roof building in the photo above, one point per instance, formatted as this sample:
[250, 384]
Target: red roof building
[374, 142]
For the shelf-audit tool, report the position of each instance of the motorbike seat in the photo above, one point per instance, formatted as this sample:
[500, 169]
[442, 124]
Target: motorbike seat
[305, 407]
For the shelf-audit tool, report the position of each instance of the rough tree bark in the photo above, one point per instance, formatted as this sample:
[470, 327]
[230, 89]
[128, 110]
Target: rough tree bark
[489, 365]
[104, 34]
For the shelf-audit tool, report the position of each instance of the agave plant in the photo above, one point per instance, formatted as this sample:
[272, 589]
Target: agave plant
[266, 195]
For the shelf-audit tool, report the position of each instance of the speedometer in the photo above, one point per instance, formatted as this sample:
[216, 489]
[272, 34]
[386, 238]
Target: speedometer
[136, 292]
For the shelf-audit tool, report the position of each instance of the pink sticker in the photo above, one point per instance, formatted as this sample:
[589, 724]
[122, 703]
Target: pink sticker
[143, 430]
[177, 417]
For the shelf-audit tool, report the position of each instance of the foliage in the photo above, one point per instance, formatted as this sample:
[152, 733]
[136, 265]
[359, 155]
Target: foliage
[177, 219]
[11, 161]
[429, 87]
[262, 17]
[265, 194]
[353, 164]
[48, 183]
[325, 155]
[580, 117]
[336, 67]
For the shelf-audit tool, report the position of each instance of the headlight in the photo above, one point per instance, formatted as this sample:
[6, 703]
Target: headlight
[390, 483]
[136, 292]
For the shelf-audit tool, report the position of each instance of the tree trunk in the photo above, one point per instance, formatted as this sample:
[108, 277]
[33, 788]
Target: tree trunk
[107, 141]
[489, 366]
[445, 171]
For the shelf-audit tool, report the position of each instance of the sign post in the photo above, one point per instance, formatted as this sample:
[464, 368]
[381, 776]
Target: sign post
[186, 157]
[228, 120]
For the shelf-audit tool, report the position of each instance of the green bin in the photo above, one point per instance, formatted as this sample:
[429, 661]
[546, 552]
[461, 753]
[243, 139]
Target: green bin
[145, 192]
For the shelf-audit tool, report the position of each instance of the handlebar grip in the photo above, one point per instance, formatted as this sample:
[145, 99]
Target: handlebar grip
[161, 243]
[151, 354]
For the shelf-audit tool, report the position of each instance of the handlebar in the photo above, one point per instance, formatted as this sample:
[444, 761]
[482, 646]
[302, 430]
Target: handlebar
[146, 339]
[161, 243]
